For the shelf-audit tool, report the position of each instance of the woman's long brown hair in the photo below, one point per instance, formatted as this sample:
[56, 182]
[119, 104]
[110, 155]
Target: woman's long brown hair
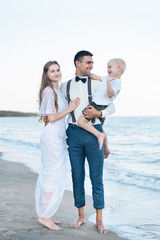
[45, 82]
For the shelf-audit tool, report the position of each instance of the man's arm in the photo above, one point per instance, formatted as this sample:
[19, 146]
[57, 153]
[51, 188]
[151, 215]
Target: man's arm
[109, 110]
[91, 112]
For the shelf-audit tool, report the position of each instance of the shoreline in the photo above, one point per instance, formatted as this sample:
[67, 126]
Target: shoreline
[4, 113]
[18, 216]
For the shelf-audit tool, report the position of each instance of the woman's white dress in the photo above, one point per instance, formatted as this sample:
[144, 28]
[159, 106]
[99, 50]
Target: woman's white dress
[54, 155]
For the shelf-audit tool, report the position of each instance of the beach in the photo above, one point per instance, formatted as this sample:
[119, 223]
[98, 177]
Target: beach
[131, 175]
[17, 213]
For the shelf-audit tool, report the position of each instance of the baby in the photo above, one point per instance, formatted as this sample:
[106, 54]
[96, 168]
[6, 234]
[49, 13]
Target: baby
[104, 95]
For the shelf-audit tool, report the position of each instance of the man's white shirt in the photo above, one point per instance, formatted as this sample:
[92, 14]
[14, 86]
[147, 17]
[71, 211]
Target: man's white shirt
[80, 89]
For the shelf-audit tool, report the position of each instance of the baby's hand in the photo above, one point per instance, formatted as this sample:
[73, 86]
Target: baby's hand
[110, 78]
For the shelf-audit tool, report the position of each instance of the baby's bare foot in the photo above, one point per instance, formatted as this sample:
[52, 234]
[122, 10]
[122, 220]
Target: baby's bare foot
[106, 152]
[101, 138]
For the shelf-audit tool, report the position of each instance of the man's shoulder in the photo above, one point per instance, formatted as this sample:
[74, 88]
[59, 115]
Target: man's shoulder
[65, 83]
[63, 86]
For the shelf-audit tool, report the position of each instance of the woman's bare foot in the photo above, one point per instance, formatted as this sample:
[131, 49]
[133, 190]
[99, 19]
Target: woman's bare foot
[101, 228]
[101, 138]
[48, 222]
[56, 221]
[80, 221]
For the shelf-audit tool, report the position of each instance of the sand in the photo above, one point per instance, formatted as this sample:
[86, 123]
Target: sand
[17, 211]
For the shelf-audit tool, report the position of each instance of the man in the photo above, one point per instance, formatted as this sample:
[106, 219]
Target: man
[83, 144]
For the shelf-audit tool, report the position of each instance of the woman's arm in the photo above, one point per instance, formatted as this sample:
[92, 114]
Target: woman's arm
[72, 106]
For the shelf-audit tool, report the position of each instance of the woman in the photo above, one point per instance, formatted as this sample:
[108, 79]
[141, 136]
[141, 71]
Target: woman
[54, 153]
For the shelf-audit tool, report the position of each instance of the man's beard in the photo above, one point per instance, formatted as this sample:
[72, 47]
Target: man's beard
[83, 74]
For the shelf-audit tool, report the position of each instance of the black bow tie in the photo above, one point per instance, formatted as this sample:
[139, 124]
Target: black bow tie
[80, 79]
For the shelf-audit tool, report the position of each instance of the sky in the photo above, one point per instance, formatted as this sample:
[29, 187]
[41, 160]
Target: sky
[33, 32]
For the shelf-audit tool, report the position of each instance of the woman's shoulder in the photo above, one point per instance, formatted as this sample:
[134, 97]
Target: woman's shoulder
[48, 89]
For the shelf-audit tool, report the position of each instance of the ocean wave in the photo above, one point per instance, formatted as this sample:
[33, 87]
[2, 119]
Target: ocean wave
[132, 178]
[19, 142]
[138, 232]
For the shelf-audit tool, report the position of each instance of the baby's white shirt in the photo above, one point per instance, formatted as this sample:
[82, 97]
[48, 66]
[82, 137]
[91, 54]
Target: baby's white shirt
[100, 96]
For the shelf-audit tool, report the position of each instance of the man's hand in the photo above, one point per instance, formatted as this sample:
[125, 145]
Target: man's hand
[91, 112]
[45, 120]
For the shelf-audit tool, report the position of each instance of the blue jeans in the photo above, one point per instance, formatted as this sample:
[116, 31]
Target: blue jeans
[84, 144]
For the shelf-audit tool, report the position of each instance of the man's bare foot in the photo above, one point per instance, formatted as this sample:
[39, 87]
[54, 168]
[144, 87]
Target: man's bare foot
[80, 221]
[106, 152]
[101, 228]
[101, 138]
[56, 221]
[48, 222]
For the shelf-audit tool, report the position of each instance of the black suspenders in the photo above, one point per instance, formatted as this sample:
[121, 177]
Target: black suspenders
[89, 90]
[69, 99]
[90, 95]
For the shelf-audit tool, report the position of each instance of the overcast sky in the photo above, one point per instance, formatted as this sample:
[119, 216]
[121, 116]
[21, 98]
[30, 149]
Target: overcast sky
[33, 32]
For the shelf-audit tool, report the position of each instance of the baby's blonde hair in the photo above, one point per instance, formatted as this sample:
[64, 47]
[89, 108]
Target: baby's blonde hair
[120, 62]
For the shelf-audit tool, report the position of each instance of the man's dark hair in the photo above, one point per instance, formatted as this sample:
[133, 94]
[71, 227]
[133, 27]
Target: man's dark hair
[80, 55]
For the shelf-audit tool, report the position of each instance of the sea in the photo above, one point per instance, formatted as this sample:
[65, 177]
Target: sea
[131, 172]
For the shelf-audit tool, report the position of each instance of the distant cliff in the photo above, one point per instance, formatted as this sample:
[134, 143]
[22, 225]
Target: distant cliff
[17, 114]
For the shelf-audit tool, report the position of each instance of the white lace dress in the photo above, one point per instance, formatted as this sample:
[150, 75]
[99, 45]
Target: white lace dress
[54, 156]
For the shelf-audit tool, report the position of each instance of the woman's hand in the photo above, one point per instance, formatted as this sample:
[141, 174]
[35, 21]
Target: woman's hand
[74, 104]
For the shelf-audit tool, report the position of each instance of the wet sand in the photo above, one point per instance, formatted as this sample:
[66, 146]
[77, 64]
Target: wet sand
[17, 211]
